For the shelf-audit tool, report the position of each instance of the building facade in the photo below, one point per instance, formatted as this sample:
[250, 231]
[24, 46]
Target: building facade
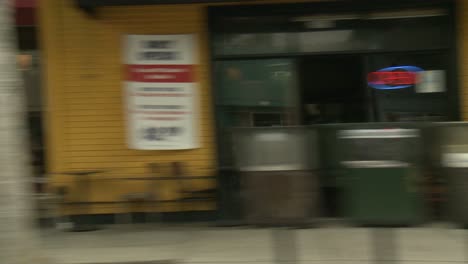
[301, 44]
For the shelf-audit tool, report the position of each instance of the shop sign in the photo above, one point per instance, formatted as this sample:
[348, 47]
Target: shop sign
[160, 92]
[391, 78]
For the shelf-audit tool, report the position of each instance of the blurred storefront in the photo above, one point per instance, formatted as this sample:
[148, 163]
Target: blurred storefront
[255, 63]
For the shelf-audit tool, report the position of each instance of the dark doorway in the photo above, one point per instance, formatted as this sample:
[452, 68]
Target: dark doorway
[332, 89]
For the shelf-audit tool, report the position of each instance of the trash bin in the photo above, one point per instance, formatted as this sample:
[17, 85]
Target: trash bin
[453, 151]
[382, 193]
[456, 169]
[381, 178]
[278, 185]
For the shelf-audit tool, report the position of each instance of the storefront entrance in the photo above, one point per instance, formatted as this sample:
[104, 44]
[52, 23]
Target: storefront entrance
[327, 63]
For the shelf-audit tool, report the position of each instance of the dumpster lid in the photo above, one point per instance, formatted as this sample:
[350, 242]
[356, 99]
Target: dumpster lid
[375, 164]
[286, 167]
[379, 133]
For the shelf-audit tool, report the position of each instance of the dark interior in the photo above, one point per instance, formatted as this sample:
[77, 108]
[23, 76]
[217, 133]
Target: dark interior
[334, 89]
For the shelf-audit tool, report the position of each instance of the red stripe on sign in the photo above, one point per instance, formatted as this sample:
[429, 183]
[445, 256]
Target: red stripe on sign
[160, 73]
[161, 112]
[162, 95]
[162, 118]
[392, 78]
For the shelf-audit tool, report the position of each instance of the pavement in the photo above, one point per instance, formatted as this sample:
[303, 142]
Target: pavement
[435, 244]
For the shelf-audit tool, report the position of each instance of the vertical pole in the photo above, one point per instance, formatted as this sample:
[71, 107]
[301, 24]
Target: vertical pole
[18, 238]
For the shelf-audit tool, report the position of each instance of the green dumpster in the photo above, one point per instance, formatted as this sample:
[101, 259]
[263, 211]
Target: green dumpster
[453, 152]
[382, 193]
[456, 171]
[381, 176]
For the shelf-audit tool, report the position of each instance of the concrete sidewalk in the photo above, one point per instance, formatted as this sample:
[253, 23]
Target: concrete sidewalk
[197, 244]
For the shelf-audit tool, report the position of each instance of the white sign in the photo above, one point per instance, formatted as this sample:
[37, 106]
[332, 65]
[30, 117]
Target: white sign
[160, 92]
[430, 82]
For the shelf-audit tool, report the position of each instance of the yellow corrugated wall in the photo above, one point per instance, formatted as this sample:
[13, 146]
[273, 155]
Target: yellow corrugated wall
[85, 116]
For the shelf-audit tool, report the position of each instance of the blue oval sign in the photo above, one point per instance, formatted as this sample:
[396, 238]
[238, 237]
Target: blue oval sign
[397, 77]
